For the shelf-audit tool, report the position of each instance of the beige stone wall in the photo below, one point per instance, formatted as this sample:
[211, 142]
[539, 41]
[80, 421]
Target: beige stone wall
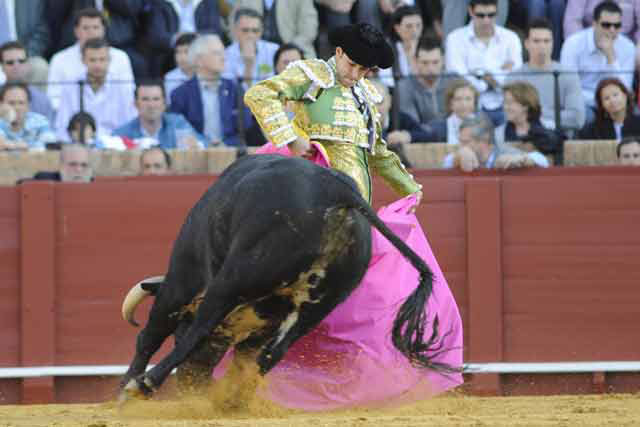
[17, 165]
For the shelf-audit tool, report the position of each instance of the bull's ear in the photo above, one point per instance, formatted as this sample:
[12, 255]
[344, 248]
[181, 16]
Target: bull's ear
[151, 287]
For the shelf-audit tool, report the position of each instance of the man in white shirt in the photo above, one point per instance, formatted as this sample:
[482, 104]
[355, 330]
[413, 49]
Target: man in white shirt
[110, 102]
[67, 66]
[484, 53]
[600, 52]
[249, 58]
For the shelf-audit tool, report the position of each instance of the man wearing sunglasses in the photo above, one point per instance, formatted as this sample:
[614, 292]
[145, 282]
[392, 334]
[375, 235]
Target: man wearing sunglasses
[600, 52]
[16, 67]
[484, 53]
[579, 15]
[249, 58]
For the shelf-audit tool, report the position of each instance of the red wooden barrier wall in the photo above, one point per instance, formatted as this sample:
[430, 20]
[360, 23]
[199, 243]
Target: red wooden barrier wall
[543, 265]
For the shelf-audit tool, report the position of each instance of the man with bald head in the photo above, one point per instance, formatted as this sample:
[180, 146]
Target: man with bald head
[75, 165]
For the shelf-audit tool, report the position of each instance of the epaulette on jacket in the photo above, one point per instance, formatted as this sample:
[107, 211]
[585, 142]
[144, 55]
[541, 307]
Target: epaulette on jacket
[319, 72]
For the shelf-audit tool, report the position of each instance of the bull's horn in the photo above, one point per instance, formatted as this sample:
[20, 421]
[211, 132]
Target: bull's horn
[135, 297]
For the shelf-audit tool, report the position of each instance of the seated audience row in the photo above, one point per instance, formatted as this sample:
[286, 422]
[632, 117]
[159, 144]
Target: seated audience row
[76, 165]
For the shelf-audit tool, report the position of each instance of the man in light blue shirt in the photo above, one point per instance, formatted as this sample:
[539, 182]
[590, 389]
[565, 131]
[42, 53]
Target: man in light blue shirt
[22, 129]
[249, 58]
[600, 52]
[171, 130]
[16, 67]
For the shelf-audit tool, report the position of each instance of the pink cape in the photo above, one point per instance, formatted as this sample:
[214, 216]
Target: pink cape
[348, 359]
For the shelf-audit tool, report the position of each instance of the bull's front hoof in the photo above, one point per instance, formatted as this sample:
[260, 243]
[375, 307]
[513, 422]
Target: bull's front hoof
[137, 389]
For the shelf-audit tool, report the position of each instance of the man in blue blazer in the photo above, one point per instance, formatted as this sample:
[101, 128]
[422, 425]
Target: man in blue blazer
[209, 102]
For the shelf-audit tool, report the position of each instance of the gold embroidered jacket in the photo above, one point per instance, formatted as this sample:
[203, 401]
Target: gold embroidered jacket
[327, 112]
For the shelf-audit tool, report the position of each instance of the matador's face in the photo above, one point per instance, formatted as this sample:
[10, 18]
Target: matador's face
[348, 71]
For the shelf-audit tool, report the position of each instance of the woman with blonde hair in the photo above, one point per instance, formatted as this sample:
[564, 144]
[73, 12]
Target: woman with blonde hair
[461, 101]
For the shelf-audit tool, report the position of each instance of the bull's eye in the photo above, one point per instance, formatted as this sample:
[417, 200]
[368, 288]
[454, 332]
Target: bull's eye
[314, 279]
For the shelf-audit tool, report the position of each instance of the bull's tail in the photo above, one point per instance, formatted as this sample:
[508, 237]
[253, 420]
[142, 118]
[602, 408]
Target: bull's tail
[411, 321]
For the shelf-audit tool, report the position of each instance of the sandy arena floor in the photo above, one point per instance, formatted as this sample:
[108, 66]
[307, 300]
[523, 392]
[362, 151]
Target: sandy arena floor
[595, 410]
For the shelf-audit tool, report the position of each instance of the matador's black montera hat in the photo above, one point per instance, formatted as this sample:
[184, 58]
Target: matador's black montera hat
[364, 44]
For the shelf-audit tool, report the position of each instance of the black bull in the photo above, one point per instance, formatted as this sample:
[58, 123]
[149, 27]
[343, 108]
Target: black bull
[267, 253]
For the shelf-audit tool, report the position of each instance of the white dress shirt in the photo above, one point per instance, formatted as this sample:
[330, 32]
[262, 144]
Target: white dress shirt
[263, 68]
[466, 54]
[11, 15]
[111, 106]
[579, 53]
[67, 67]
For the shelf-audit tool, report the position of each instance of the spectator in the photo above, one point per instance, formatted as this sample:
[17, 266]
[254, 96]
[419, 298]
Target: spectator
[24, 21]
[286, 21]
[522, 110]
[331, 14]
[539, 72]
[249, 58]
[478, 149]
[484, 53]
[13, 57]
[628, 151]
[75, 165]
[122, 30]
[207, 101]
[82, 129]
[405, 131]
[110, 102]
[21, 129]
[579, 14]
[461, 99]
[454, 14]
[155, 161]
[337, 13]
[379, 12]
[184, 68]
[407, 31]
[614, 118]
[67, 66]
[422, 96]
[169, 129]
[600, 52]
[168, 20]
[552, 10]
[286, 54]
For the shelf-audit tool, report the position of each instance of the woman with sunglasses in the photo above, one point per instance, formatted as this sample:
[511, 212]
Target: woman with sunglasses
[614, 113]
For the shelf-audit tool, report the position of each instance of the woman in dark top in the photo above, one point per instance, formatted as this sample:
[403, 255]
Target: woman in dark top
[522, 111]
[614, 113]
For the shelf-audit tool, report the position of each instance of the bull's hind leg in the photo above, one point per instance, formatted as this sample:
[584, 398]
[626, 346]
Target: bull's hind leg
[195, 373]
[236, 390]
